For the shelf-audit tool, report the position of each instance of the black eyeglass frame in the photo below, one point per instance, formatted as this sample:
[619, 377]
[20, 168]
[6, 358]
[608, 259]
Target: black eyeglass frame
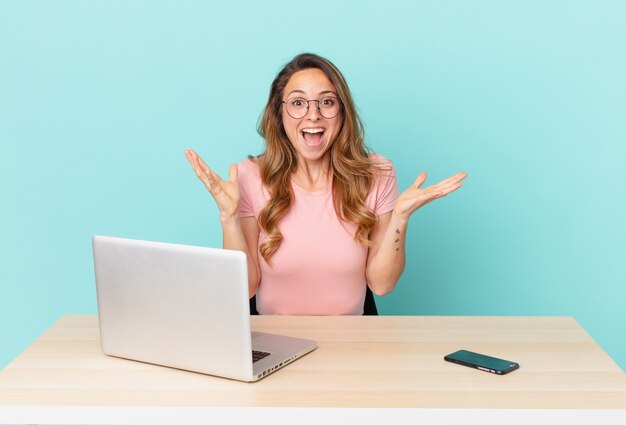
[318, 106]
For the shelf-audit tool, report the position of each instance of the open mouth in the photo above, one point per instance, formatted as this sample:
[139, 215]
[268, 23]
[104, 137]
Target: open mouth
[313, 137]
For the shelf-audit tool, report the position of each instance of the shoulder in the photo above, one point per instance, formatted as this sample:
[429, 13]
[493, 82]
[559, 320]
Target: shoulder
[249, 176]
[248, 165]
[384, 191]
[253, 195]
[383, 167]
[248, 170]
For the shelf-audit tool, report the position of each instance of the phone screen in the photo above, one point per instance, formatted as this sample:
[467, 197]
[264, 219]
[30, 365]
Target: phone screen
[482, 362]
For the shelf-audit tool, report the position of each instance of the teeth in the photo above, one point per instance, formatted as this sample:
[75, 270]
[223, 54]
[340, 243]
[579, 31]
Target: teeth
[313, 130]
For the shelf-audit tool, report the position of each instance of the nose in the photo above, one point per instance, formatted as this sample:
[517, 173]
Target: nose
[313, 111]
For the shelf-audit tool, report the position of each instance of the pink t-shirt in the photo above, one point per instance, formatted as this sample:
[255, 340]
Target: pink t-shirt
[319, 268]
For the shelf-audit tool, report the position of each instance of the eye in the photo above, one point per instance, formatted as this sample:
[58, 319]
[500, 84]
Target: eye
[298, 103]
[328, 102]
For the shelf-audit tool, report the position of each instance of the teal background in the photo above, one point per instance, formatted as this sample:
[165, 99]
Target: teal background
[99, 99]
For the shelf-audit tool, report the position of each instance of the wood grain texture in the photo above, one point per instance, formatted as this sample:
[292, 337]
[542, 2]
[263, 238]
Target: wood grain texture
[383, 361]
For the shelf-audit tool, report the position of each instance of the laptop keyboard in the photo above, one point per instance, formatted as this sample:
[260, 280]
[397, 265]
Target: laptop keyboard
[258, 355]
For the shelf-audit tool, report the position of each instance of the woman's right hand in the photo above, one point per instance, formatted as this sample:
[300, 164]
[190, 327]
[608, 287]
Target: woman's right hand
[225, 193]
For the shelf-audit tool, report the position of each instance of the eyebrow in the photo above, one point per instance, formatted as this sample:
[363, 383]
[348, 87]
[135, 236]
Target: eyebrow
[301, 91]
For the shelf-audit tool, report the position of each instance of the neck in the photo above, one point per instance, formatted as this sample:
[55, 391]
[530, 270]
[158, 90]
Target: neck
[313, 175]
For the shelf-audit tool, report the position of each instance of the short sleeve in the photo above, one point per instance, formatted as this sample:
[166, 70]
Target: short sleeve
[245, 179]
[385, 189]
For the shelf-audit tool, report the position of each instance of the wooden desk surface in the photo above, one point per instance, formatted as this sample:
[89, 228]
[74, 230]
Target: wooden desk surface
[375, 362]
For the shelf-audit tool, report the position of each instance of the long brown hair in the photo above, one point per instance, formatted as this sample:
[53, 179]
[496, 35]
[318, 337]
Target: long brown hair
[352, 170]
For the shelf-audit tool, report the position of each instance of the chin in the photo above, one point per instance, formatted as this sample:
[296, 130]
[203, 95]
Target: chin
[313, 154]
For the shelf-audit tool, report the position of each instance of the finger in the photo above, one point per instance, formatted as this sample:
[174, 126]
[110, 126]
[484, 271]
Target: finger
[233, 173]
[458, 178]
[201, 172]
[189, 155]
[450, 180]
[447, 190]
[191, 158]
[204, 173]
[419, 181]
[208, 170]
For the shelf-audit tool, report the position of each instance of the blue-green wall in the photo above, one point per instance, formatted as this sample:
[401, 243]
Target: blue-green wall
[98, 99]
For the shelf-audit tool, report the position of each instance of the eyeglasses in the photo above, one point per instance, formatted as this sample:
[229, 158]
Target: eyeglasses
[298, 107]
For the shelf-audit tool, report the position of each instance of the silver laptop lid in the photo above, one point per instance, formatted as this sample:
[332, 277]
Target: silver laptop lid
[174, 305]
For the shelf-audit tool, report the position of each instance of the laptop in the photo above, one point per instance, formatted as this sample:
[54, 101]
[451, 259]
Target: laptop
[184, 307]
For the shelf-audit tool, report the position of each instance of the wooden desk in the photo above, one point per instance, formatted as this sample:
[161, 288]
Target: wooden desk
[387, 364]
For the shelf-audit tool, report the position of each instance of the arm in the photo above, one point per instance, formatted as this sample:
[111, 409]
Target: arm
[240, 234]
[386, 258]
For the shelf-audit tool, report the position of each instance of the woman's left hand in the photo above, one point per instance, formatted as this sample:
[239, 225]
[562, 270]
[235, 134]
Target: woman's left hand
[415, 197]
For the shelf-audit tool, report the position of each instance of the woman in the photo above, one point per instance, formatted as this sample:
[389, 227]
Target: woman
[317, 216]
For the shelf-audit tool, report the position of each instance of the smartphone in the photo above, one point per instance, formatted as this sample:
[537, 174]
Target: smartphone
[482, 362]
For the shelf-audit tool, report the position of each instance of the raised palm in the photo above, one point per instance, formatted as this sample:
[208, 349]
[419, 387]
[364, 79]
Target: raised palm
[225, 193]
[415, 197]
